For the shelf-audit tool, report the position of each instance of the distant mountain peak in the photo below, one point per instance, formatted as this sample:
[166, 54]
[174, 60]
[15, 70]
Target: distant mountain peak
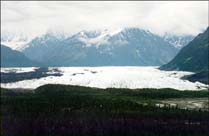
[95, 37]
[15, 41]
[178, 41]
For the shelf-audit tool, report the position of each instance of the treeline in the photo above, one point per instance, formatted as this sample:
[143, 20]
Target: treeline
[140, 93]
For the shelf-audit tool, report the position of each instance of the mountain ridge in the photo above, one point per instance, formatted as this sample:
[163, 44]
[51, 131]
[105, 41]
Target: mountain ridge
[193, 57]
[13, 58]
[130, 46]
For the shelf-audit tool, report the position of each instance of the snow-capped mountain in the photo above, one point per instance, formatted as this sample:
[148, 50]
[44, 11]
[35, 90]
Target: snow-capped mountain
[41, 47]
[15, 41]
[129, 46]
[97, 37]
[177, 41]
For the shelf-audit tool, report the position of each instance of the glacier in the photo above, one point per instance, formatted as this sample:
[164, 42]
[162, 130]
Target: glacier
[111, 77]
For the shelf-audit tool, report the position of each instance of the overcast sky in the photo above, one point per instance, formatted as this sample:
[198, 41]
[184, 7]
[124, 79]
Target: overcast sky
[35, 18]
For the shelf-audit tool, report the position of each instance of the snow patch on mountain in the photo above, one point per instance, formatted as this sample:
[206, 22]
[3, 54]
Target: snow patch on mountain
[98, 37]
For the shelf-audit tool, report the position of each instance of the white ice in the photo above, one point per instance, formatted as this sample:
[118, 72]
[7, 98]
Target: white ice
[114, 77]
[18, 70]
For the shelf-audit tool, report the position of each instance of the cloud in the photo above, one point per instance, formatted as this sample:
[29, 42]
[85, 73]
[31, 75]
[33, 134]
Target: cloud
[35, 18]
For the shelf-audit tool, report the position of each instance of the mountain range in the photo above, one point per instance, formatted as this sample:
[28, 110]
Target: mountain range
[121, 47]
[130, 46]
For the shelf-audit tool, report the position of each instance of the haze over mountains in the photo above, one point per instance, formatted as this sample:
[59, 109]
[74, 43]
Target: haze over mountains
[129, 46]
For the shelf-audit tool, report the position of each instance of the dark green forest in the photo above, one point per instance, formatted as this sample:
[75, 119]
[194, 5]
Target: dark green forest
[54, 110]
